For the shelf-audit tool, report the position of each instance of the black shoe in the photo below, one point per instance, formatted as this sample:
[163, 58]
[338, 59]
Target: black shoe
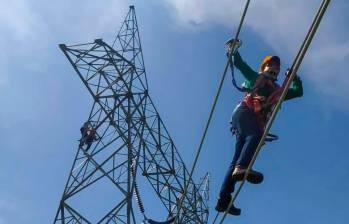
[222, 205]
[254, 177]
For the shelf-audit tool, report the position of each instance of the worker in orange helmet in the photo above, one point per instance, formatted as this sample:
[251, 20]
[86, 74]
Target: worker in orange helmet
[249, 119]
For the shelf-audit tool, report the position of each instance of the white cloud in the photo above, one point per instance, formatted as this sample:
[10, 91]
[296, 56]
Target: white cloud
[327, 64]
[31, 29]
[19, 21]
[199, 12]
[30, 32]
[283, 25]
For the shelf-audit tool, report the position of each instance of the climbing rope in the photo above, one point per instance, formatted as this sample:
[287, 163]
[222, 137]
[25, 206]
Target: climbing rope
[296, 63]
[180, 203]
[231, 63]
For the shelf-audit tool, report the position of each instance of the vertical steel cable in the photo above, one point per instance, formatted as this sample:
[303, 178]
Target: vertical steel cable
[294, 68]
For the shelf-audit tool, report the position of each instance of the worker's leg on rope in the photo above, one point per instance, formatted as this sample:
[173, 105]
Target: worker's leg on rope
[247, 152]
[222, 205]
[248, 126]
[228, 184]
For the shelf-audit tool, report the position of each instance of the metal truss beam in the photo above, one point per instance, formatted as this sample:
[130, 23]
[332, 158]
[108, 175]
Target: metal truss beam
[131, 135]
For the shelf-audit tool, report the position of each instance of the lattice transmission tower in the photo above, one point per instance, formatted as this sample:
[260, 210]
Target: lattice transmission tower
[124, 141]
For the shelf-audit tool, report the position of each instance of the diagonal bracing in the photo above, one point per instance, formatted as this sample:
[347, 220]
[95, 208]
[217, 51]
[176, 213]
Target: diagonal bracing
[129, 133]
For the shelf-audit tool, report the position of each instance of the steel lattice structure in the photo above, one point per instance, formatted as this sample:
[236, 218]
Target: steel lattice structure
[132, 140]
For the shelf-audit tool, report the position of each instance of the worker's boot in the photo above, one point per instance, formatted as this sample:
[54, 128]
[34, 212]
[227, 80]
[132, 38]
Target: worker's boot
[222, 205]
[254, 177]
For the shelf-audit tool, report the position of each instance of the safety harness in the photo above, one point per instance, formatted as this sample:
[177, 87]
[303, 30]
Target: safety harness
[255, 100]
[259, 104]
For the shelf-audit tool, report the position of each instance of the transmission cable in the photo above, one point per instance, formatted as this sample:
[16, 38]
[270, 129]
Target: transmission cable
[212, 110]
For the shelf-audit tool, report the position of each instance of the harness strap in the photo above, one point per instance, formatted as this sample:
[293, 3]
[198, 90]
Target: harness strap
[241, 89]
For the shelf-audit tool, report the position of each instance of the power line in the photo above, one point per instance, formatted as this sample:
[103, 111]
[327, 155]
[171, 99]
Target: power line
[213, 107]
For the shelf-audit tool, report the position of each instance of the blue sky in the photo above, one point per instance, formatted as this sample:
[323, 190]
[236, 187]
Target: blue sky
[44, 102]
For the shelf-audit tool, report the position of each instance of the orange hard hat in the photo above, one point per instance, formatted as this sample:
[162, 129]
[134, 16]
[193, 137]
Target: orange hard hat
[269, 58]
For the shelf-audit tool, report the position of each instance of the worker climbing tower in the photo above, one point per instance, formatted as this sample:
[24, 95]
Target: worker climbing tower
[124, 143]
